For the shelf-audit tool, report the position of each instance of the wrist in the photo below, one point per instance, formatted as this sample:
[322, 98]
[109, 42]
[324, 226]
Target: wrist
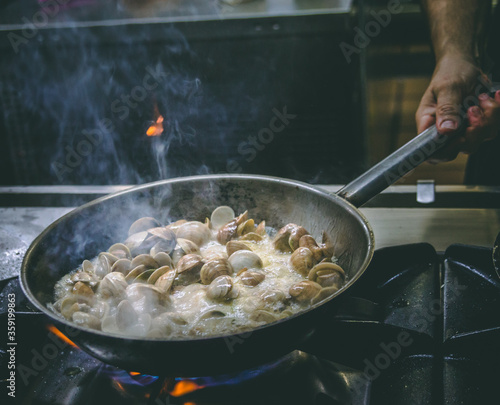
[456, 55]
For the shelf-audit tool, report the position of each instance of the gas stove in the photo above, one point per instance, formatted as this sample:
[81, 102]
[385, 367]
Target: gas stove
[420, 327]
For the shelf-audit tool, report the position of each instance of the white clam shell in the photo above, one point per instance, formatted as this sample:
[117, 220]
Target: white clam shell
[221, 216]
[112, 285]
[196, 232]
[143, 224]
[245, 258]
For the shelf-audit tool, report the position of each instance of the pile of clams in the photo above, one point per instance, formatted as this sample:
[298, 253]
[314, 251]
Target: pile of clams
[190, 278]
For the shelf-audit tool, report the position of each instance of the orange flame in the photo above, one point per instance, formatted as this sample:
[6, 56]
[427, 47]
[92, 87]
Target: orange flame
[61, 336]
[157, 128]
[134, 373]
[184, 387]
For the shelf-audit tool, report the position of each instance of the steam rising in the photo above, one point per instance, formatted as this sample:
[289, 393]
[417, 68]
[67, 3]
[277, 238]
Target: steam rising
[99, 91]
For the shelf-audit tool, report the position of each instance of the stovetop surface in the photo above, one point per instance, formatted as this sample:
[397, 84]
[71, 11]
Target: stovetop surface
[419, 328]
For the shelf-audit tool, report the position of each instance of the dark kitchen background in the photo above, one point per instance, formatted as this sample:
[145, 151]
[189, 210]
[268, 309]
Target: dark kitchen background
[124, 92]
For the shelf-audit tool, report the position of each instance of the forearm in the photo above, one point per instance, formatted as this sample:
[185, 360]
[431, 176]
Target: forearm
[457, 27]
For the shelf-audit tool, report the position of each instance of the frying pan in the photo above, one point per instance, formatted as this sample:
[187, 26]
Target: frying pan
[93, 227]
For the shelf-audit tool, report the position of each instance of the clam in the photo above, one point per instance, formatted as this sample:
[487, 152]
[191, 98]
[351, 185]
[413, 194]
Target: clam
[126, 317]
[82, 291]
[175, 225]
[100, 309]
[145, 260]
[112, 285]
[195, 231]
[287, 238]
[184, 247]
[189, 267]
[85, 277]
[215, 268]
[132, 274]
[295, 236]
[214, 251]
[245, 227]
[229, 231]
[161, 239]
[69, 305]
[245, 258]
[273, 296]
[122, 266]
[252, 236]
[327, 274]
[162, 259]
[110, 257]
[87, 320]
[136, 242]
[88, 267]
[120, 250]
[261, 229]
[235, 245]
[302, 260]
[101, 266]
[144, 276]
[221, 216]
[190, 263]
[160, 271]
[221, 288]
[308, 242]
[323, 251]
[324, 294]
[304, 291]
[327, 246]
[143, 224]
[157, 248]
[165, 281]
[138, 291]
[252, 278]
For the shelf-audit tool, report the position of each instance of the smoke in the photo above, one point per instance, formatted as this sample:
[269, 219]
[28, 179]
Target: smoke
[79, 101]
[89, 96]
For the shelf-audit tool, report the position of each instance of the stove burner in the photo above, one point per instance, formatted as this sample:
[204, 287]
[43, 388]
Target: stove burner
[399, 342]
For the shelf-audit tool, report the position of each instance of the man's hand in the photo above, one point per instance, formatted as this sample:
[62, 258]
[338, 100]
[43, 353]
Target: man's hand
[454, 79]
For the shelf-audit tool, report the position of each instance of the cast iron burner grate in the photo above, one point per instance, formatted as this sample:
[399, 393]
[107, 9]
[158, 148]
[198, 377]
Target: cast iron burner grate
[421, 328]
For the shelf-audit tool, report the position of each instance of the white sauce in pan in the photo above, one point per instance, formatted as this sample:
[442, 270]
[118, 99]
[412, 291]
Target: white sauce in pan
[149, 305]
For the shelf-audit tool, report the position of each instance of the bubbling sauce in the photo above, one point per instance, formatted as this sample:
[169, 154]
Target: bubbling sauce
[190, 279]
